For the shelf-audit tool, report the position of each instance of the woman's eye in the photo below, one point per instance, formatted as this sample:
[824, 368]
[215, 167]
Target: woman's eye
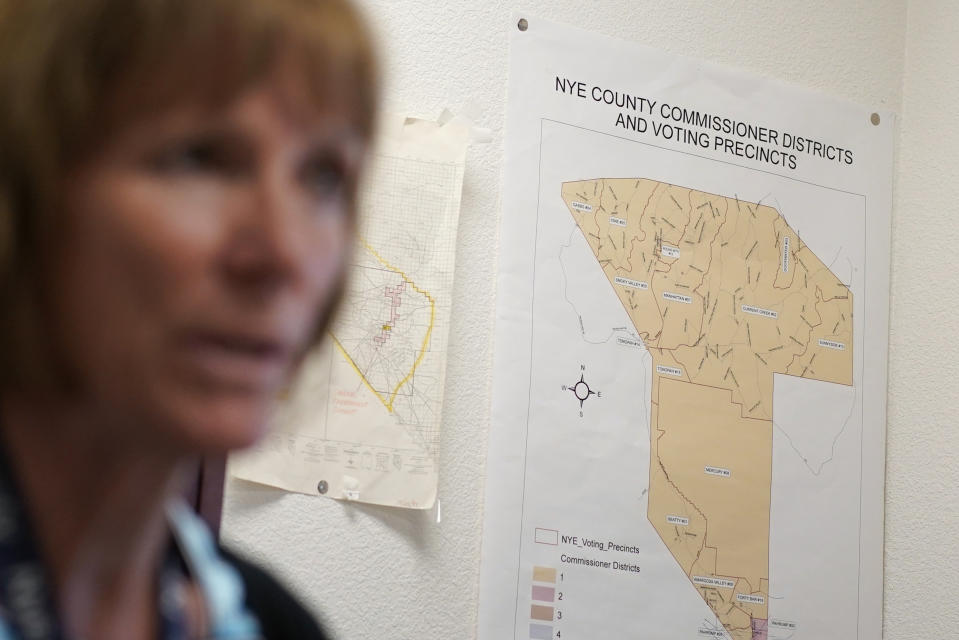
[326, 176]
[198, 156]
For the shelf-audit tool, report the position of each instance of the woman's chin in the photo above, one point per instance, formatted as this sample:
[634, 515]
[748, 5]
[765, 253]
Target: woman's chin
[218, 426]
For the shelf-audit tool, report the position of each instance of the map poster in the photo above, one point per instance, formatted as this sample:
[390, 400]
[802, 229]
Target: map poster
[689, 384]
[362, 420]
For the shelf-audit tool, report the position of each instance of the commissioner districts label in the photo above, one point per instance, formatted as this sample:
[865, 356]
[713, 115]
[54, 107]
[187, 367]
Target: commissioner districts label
[732, 296]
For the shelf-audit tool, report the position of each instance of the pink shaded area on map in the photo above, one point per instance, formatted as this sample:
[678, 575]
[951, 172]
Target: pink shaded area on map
[760, 629]
[395, 296]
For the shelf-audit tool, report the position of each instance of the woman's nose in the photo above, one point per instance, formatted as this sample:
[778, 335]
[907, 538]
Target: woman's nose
[266, 242]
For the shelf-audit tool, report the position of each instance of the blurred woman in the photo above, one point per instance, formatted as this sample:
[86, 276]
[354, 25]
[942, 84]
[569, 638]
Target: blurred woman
[177, 185]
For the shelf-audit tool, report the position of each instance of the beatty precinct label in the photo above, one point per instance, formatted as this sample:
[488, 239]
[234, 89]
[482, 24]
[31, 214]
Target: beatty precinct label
[705, 130]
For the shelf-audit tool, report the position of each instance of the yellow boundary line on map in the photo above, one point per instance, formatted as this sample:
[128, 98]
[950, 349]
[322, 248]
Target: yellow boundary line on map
[426, 340]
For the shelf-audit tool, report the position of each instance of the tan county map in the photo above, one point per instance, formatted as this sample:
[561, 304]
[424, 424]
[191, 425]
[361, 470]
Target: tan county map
[724, 294]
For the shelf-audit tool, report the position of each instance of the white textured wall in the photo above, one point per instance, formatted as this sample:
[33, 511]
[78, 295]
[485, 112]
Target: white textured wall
[922, 473]
[383, 573]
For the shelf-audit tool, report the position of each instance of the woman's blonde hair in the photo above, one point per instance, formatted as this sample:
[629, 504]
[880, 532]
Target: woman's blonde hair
[73, 71]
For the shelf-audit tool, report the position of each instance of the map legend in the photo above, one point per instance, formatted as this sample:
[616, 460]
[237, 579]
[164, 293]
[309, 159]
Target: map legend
[541, 610]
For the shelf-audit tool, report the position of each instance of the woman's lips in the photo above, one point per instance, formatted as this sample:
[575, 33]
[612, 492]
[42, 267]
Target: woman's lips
[241, 361]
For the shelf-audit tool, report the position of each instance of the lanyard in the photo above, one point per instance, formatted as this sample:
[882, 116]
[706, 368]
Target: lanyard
[26, 600]
[27, 605]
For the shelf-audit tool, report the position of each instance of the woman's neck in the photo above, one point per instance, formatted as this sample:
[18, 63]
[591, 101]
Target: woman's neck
[96, 501]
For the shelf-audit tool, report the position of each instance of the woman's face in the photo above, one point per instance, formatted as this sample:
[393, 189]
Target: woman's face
[195, 251]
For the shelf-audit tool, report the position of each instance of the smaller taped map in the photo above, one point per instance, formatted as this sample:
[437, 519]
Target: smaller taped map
[362, 421]
[724, 294]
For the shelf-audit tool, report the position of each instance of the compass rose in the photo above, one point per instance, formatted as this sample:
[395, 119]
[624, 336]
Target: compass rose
[582, 390]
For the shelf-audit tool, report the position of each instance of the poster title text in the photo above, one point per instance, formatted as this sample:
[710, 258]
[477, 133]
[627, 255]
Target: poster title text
[705, 130]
